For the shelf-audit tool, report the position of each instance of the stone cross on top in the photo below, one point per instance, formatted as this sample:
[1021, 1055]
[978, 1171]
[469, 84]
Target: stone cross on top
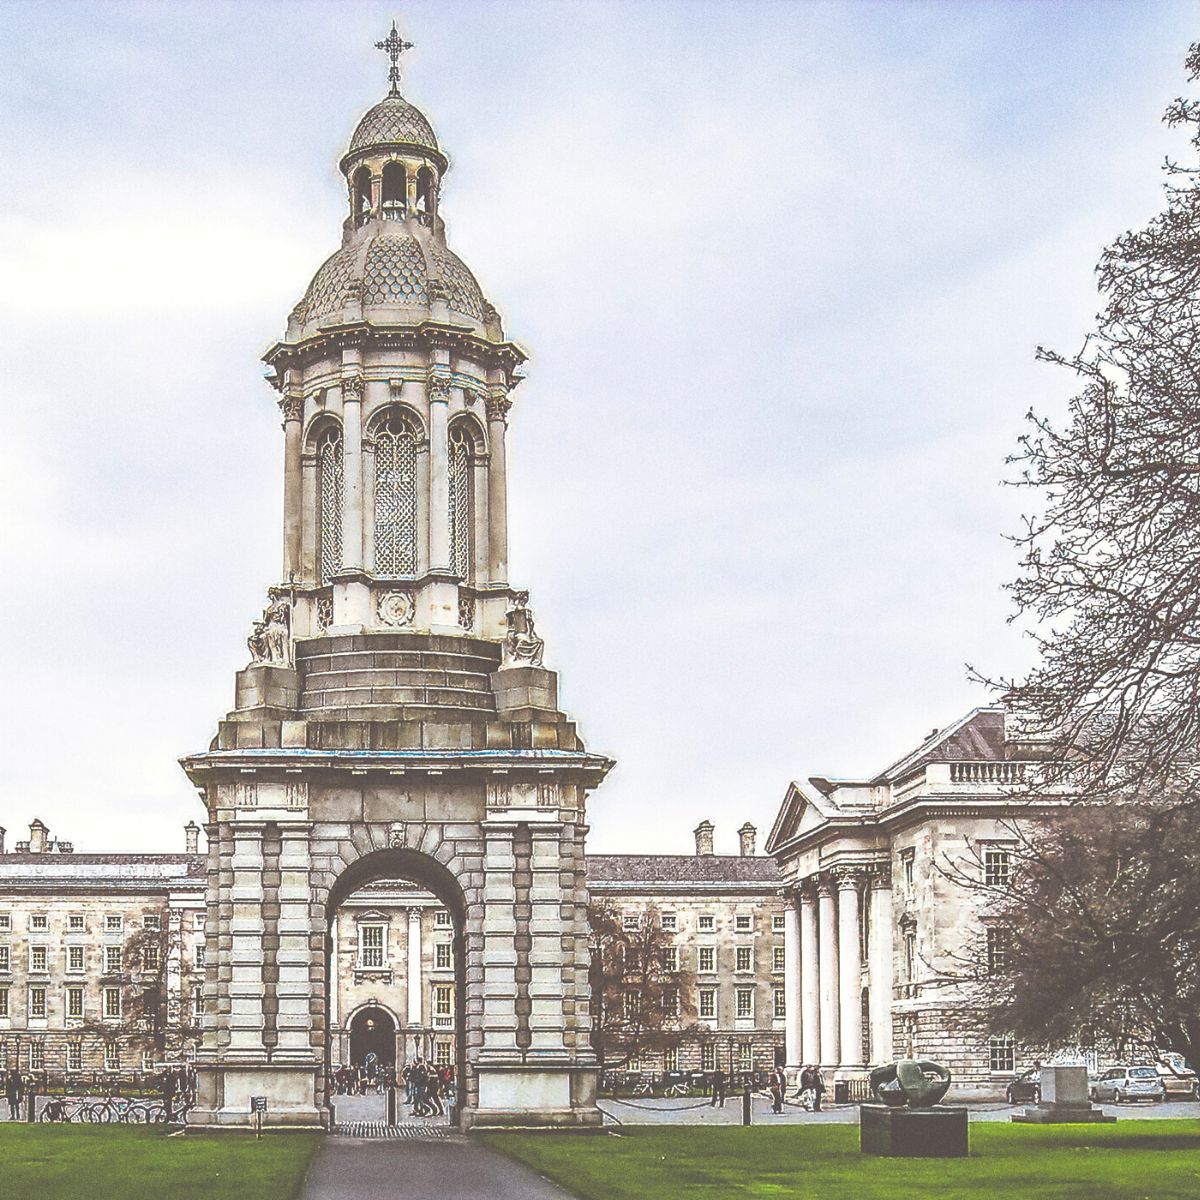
[394, 46]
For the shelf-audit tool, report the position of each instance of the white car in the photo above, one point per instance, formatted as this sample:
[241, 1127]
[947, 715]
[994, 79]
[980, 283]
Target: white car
[1118, 1084]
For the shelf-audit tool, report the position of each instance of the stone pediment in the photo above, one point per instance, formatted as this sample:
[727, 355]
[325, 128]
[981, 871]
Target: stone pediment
[800, 814]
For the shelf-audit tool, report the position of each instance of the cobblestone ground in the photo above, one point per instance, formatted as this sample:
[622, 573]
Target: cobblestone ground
[698, 1111]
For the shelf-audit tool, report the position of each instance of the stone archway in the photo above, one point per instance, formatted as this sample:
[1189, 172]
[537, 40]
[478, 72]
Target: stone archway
[372, 1038]
[433, 876]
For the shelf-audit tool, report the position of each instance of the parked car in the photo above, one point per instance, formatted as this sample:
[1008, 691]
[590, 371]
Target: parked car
[1118, 1084]
[1026, 1088]
[1179, 1083]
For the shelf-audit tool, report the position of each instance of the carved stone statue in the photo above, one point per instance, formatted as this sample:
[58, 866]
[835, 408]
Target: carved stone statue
[270, 639]
[522, 646]
[912, 1083]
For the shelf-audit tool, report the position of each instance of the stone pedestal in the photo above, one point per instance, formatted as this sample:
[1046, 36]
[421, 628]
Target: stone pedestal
[1065, 1100]
[525, 688]
[938, 1132]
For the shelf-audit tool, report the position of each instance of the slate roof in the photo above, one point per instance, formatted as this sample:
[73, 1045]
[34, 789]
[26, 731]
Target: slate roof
[101, 872]
[683, 870]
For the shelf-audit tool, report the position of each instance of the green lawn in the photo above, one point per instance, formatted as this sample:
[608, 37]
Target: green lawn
[1132, 1160]
[73, 1162]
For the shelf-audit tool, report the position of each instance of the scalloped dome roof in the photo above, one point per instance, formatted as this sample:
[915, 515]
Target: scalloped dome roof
[389, 267]
[393, 119]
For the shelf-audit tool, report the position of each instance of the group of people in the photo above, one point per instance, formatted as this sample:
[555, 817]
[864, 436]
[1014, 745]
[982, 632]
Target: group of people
[358, 1081]
[427, 1086]
[809, 1090]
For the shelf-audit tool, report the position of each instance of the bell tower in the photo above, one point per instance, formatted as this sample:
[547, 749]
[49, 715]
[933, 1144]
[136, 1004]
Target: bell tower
[396, 718]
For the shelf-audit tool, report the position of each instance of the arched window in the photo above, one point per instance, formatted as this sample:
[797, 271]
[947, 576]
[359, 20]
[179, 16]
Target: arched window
[396, 438]
[425, 190]
[362, 195]
[329, 503]
[393, 191]
[462, 506]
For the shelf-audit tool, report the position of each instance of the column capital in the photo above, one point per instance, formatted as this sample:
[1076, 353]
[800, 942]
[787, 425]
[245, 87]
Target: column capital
[498, 405]
[352, 387]
[849, 878]
[881, 876]
[437, 387]
[291, 406]
[824, 885]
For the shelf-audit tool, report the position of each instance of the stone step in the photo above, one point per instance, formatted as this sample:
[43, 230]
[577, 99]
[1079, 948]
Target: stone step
[397, 660]
[320, 681]
[366, 697]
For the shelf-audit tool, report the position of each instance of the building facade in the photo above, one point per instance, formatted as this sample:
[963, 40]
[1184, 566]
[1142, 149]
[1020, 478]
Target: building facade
[71, 921]
[879, 923]
[102, 956]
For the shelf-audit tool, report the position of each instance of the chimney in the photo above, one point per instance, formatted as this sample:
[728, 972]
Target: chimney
[192, 832]
[746, 837]
[704, 837]
[38, 836]
[2, 832]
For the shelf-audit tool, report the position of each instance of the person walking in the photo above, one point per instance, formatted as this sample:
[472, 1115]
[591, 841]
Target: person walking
[718, 1088]
[818, 1087]
[777, 1081]
[14, 1093]
[435, 1091]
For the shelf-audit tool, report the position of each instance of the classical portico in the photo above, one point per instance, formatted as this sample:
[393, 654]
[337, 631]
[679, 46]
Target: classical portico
[396, 721]
[825, 974]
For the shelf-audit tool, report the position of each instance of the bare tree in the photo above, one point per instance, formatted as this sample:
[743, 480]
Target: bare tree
[153, 1017]
[638, 991]
[1111, 564]
[1094, 940]
[1091, 940]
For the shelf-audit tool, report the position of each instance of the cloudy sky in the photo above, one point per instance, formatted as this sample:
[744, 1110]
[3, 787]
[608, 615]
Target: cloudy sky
[781, 269]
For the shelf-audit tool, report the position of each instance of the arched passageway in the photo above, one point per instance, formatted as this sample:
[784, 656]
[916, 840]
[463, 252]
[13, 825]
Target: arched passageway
[395, 968]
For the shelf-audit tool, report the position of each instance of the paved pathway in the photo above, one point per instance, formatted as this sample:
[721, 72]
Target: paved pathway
[686, 1110]
[453, 1168]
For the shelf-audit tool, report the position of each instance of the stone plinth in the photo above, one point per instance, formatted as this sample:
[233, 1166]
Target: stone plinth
[1065, 1100]
[938, 1132]
[525, 688]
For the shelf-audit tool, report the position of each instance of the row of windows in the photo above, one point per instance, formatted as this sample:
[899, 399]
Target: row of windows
[395, 503]
[77, 922]
[74, 1008]
[32, 1053]
[708, 1058]
[705, 922]
[39, 958]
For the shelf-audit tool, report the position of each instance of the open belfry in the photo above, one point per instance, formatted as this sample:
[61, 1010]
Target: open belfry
[396, 721]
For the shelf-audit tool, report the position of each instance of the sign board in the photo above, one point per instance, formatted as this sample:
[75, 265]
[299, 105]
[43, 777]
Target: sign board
[258, 1104]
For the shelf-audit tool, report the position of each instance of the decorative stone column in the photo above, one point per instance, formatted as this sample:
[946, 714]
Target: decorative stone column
[438, 391]
[879, 966]
[413, 972]
[332, 981]
[546, 959]
[849, 966]
[791, 980]
[351, 596]
[292, 408]
[294, 956]
[827, 955]
[499, 945]
[352, 505]
[810, 978]
[246, 929]
[498, 405]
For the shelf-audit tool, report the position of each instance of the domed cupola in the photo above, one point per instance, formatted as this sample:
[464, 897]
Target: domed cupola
[394, 267]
